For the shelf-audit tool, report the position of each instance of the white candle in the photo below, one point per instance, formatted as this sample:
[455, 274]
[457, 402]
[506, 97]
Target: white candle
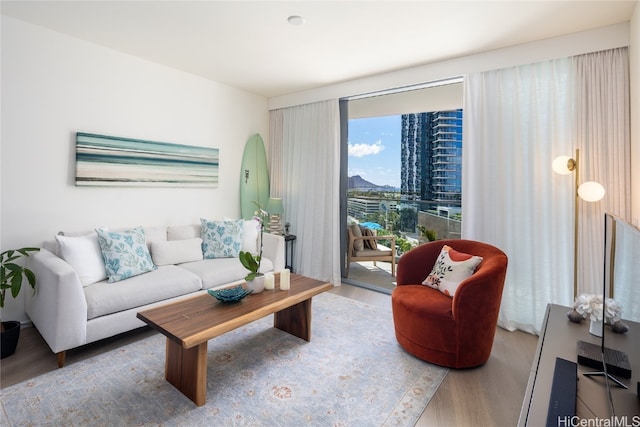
[285, 279]
[269, 281]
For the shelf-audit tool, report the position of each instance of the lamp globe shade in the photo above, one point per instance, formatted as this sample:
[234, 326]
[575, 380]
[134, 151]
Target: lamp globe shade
[591, 191]
[560, 165]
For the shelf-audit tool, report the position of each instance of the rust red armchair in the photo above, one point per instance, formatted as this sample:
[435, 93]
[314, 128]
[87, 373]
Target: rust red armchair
[456, 332]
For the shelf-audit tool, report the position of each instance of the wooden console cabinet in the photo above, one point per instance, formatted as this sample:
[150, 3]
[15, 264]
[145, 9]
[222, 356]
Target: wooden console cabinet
[558, 339]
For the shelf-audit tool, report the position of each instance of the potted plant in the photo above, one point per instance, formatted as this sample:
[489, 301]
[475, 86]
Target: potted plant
[429, 233]
[12, 275]
[255, 279]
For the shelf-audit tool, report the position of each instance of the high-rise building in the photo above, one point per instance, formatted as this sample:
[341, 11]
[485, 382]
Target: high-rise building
[431, 157]
[413, 157]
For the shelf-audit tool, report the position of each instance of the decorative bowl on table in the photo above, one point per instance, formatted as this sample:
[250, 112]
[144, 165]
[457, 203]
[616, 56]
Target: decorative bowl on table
[229, 294]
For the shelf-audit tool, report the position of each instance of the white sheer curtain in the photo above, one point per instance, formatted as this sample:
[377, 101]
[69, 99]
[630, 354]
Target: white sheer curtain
[305, 171]
[516, 121]
[603, 136]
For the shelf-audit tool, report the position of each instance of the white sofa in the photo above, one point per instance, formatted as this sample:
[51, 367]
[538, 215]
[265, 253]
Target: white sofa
[71, 309]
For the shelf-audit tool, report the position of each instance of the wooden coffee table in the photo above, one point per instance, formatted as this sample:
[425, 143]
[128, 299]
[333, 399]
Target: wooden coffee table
[189, 324]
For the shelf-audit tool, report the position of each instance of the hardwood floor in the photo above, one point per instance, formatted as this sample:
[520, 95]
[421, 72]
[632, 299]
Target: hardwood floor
[490, 395]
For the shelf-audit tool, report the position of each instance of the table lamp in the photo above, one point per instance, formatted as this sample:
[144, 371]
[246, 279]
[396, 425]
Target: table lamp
[275, 210]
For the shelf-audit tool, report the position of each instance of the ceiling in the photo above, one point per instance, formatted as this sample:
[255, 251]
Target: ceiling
[250, 45]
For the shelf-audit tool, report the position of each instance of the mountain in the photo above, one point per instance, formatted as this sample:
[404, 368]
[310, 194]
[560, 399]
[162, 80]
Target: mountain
[358, 183]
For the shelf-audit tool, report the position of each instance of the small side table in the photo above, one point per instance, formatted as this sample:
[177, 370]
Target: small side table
[288, 251]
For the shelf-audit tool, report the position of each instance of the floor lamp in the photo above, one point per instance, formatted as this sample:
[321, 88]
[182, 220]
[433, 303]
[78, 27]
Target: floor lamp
[589, 191]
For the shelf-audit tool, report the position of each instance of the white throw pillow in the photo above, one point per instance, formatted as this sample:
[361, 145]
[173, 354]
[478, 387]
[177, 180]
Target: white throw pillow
[451, 269]
[176, 251]
[84, 255]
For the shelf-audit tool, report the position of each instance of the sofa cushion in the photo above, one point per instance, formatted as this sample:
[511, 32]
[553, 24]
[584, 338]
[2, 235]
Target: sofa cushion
[165, 282]
[451, 269]
[84, 255]
[221, 239]
[220, 271]
[154, 234]
[182, 232]
[176, 251]
[125, 253]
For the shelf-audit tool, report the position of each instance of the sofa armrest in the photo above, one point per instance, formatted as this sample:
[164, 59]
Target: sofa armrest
[58, 309]
[273, 249]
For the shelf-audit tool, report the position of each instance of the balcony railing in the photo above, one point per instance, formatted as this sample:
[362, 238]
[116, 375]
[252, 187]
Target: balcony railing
[410, 221]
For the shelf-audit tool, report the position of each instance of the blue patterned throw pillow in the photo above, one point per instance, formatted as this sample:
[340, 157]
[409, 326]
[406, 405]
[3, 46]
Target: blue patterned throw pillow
[221, 239]
[125, 253]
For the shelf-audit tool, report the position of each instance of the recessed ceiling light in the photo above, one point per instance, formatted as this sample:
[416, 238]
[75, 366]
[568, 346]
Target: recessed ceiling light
[295, 20]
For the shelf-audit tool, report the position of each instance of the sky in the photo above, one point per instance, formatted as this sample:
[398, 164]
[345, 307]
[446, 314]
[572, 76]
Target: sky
[374, 149]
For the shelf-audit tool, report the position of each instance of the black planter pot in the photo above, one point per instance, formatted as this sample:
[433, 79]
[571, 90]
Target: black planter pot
[9, 338]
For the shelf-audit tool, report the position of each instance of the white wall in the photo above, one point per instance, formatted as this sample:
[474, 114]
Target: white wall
[438, 98]
[54, 85]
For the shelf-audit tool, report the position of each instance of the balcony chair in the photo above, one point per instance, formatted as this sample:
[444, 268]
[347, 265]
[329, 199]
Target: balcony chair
[457, 331]
[366, 247]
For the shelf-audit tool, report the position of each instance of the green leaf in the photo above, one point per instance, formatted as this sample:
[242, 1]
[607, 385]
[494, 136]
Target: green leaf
[13, 268]
[25, 251]
[12, 274]
[248, 261]
[31, 278]
[16, 284]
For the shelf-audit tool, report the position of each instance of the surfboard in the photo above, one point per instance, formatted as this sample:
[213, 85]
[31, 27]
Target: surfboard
[254, 177]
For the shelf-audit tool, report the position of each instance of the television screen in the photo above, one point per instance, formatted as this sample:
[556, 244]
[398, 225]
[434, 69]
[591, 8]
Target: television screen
[621, 282]
[625, 271]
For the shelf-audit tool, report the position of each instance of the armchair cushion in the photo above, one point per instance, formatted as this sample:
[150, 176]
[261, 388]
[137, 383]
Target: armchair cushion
[450, 269]
[358, 244]
[369, 243]
[437, 322]
[380, 251]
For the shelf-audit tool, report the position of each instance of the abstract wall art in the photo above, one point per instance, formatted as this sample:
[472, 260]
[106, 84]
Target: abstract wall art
[113, 161]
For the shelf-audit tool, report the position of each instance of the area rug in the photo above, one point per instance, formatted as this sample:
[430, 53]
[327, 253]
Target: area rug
[352, 373]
